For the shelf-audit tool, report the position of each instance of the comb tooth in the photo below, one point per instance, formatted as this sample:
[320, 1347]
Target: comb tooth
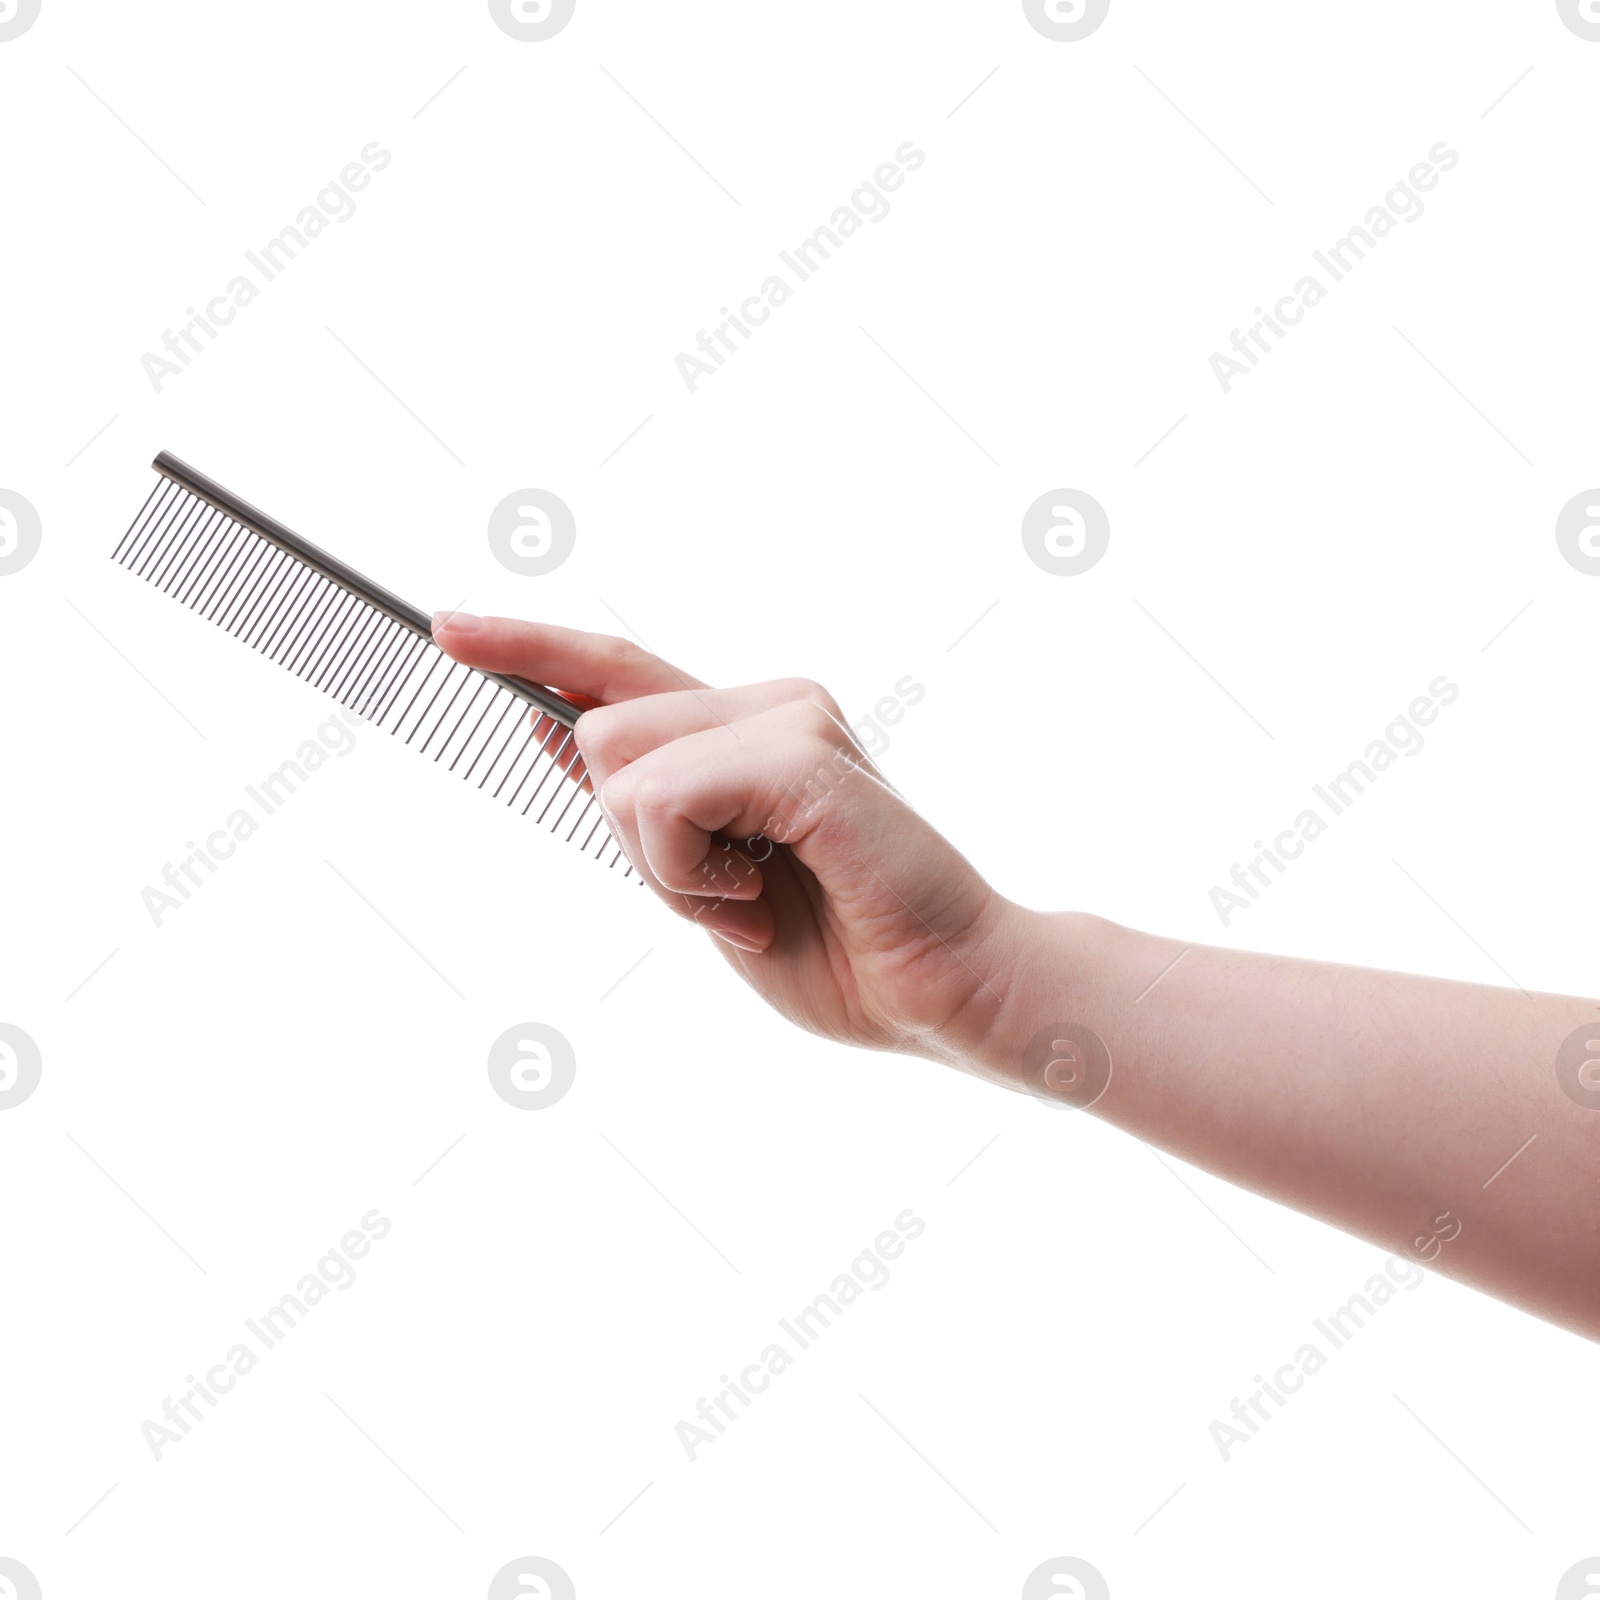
[539, 755]
[338, 632]
[171, 527]
[372, 640]
[280, 586]
[466, 710]
[377, 665]
[226, 593]
[449, 673]
[221, 538]
[258, 604]
[202, 549]
[116, 555]
[378, 639]
[178, 544]
[326, 616]
[455, 694]
[591, 833]
[488, 739]
[238, 543]
[577, 790]
[303, 581]
[300, 608]
[408, 667]
[263, 576]
[425, 667]
[488, 772]
[152, 530]
[244, 584]
[555, 766]
[361, 646]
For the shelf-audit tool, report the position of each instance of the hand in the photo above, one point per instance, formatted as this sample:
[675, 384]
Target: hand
[834, 900]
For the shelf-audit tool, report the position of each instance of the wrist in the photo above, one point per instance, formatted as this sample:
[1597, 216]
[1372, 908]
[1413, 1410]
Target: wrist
[1039, 973]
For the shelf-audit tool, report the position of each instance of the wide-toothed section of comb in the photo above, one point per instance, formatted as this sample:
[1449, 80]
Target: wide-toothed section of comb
[387, 672]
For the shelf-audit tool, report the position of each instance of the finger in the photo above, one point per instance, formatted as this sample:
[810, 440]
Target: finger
[781, 778]
[726, 899]
[612, 736]
[595, 665]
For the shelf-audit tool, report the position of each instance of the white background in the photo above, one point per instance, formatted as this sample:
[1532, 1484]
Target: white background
[1288, 568]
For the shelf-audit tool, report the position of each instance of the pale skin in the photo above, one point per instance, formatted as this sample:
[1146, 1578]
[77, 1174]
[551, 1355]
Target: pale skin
[1386, 1104]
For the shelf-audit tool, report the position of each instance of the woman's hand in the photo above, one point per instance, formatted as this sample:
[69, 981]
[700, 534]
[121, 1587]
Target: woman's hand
[754, 812]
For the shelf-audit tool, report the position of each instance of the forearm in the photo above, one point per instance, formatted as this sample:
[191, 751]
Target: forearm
[1377, 1101]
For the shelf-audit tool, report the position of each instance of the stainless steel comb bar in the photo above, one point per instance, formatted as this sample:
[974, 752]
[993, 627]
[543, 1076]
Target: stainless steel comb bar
[366, 648]
[345, 577]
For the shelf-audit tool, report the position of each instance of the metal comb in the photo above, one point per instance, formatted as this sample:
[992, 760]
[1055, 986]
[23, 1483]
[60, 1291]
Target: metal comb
[368, 649]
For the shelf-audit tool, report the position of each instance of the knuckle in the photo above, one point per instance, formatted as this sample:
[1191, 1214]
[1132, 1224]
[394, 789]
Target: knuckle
[654, 794]
[599, 734]
[817, 694]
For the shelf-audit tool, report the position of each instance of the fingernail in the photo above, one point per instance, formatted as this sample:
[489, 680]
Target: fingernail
[458, 621]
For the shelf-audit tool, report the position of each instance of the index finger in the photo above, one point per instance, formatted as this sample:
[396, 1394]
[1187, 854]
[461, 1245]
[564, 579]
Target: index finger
[595, 666]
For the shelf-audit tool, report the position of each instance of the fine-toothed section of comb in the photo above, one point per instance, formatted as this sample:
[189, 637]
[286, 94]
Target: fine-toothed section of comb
[384, 669]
